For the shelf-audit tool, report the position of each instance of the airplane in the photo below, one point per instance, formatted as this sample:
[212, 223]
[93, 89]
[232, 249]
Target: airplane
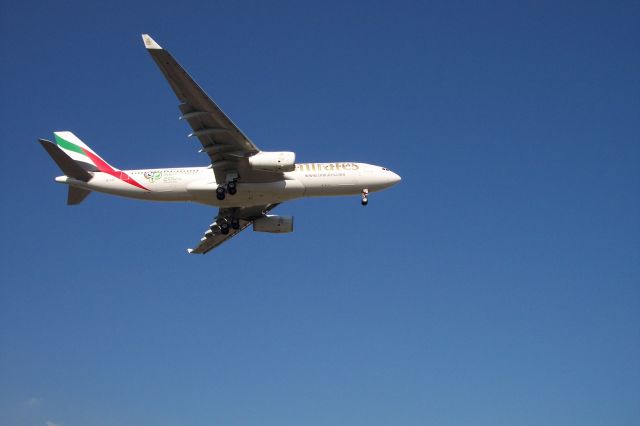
[242, 181]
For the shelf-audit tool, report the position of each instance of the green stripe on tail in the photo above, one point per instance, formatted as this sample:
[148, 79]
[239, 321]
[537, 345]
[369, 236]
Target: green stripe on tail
[68, 145]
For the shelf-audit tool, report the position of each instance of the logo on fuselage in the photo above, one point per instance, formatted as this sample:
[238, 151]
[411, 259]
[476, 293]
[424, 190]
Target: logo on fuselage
[325, 167]
[153, 176]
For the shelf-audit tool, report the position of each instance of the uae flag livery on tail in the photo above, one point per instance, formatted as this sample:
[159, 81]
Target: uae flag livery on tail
[86, 158]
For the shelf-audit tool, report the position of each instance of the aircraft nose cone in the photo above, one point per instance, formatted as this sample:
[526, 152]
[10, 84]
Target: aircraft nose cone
[395, 178]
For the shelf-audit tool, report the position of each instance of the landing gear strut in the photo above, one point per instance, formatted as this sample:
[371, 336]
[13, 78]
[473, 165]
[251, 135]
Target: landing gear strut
[365, 197]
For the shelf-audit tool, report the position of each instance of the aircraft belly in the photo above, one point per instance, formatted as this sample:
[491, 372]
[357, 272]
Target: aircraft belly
[317, 187]
[248, 193]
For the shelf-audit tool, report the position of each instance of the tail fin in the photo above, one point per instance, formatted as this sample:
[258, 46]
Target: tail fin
[70, 167]
[84, 156]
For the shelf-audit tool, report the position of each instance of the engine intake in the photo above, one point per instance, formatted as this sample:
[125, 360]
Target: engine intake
[274, 224]
[283, 161]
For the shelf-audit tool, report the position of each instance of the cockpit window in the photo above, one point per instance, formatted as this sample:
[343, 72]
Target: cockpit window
[384, 168]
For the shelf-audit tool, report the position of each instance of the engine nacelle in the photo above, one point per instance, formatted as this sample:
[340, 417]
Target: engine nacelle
[274, 224]
[284, 161]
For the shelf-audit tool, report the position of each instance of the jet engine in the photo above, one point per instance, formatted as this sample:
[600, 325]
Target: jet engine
[284, 161]
[273, 224]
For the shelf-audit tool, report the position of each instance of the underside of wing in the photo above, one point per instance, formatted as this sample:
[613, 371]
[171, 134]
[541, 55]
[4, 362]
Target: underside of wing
[225, 226]
[221, 139]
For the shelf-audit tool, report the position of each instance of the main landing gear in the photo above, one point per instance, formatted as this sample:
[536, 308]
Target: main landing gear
[221, 191]
[365, 197]
[230, 188]
[223, 226]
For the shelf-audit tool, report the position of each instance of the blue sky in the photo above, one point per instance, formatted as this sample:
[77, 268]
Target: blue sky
[499, 283]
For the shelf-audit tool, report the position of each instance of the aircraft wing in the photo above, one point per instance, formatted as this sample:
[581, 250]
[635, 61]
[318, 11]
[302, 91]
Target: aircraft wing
[222, 140]
[213, 237]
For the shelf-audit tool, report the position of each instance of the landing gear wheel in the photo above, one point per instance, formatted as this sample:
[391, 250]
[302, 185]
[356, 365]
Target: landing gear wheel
[231, 188]
[224, 228]
[365, 197]
[235, 223]
[220, 193]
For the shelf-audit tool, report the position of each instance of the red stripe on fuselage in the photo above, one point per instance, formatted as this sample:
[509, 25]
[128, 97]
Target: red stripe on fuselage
[104, 167]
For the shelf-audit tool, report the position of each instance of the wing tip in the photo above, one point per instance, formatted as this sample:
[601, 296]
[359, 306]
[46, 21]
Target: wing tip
[150, 43]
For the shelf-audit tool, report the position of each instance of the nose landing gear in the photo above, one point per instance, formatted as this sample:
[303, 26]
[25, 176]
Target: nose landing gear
[365, 197]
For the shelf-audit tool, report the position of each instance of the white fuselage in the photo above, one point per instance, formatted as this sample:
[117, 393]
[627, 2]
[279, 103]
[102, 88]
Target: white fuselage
[198, 184]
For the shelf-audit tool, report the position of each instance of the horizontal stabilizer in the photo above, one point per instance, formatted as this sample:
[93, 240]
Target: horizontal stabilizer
[76, 195]
[68, 166]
